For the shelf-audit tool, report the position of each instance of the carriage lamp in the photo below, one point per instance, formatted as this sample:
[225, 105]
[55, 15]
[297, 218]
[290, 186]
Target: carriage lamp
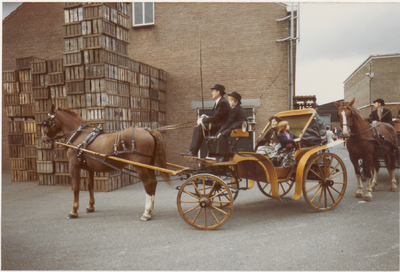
[251, 124]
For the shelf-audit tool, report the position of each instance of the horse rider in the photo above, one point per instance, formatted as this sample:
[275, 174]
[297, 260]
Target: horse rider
[236, 118]
[381, 114]
[219, 116]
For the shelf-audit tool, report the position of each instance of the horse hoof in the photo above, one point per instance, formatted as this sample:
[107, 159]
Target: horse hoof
[89, 210]
[72, 216]
[144, 218]
[368, 198]
[358, 195]
[393, 189]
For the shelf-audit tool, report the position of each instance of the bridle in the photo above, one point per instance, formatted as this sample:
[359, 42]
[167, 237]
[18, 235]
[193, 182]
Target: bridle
[50, 122]
[351, 124]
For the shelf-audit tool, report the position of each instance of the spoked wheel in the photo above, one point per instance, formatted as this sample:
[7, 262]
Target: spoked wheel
[205, 201]
[284, 187]
[325, 181]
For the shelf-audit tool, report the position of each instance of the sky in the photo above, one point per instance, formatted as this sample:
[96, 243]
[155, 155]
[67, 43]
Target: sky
[335, 39]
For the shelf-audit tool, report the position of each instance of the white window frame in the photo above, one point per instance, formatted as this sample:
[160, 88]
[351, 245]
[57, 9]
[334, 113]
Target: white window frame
[143, 14]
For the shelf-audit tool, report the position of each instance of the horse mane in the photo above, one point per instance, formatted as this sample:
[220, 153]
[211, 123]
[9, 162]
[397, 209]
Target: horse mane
[357, 112]
[70, 112]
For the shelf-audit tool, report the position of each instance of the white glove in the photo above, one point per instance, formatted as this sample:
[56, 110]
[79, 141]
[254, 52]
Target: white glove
[199, 121]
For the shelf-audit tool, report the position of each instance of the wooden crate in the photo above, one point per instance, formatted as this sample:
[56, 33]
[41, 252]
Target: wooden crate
[95, 11]
[97, 114]
[144, 80]
[124, 8]
[16, 126]
[18, 175]
[18, 163]
[17, 151]
[42, 105]
[163, 75]
[74, 73]
[25, 99]
[163, 106]
[11, 99]
[124, 88]
[154, 94]
[154, 83]
[154, 105]
[39, 80]
[134, 90]
[72, 15]
[25, 87]
[40, 144]
[29, 138]
[39, 67]
[58, 92]
[144, 69]
[45, 179]
[76, 101]
[145, 103]
[101, 85]
[62, 179]
[75, 87]
[56, 79]
[101, 70]
[15, 139]
[39, 117]
[106, 100]
[73, 44]
[162, 85]
[30, 127]
[61, 167]
[45, 167]
[45, 154]
[124, 74]
[10, 87]
[161, 117]
[25, 75]
[13, 111]
[32, 175]
[161, 96]
[60, 154]
[62, 102]
[96, 56]
[41, 93]
[55, 66]
[10, 76]
[123, 21]
[73, 29]
[72, 59]
[25, 63]
[31, 164]
[28, 110]
[31, 151]
[106, 42]
[154, 72]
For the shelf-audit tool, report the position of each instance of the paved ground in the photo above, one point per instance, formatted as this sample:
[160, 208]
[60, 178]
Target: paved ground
[261, 234]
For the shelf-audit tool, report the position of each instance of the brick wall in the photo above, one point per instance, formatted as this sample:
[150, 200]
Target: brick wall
[385, 84]
[238, 50]
[35, 29]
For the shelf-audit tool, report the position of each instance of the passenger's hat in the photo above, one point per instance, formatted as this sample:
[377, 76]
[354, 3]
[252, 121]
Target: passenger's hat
[219, 87]
[237, 96]
[380, 101]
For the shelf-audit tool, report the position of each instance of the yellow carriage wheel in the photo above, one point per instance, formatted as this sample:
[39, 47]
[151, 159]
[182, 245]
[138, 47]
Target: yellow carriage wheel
[324, 181]
[205, 201]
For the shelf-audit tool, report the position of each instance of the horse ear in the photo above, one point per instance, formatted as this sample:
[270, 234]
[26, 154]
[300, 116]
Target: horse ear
[52, 109]
[337, 104]
[351, 102]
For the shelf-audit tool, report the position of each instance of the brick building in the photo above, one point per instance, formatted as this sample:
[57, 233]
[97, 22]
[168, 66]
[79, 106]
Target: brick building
[376, 77]
[197, 44]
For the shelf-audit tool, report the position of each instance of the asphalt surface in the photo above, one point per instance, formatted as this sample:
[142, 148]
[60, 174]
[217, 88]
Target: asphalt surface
[261, 233]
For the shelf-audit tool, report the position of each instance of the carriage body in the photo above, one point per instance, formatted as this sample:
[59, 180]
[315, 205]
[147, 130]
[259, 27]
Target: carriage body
[320, 176]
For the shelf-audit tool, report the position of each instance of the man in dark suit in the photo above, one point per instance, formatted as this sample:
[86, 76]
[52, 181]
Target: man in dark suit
[236, 118]
[381, 114]
[219, 116]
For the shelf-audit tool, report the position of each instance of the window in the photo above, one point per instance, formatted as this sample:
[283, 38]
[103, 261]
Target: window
[143, 13]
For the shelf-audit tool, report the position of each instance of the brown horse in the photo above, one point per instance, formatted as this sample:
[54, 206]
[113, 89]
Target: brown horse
[368, 142]
[146, 145]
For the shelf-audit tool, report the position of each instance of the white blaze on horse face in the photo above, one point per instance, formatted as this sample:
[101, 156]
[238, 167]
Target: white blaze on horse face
[345, 131]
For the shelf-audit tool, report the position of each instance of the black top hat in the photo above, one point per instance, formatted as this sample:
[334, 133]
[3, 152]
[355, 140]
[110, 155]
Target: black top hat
[237, 96]
[220, 88]
[380, 101]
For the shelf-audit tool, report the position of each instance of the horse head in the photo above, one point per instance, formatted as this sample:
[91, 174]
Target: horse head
[50, 126]
[345, 114]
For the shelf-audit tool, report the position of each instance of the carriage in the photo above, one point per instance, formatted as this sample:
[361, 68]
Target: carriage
[205, 198]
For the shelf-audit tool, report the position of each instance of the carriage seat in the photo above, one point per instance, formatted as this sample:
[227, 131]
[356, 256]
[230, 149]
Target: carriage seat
[235, 133]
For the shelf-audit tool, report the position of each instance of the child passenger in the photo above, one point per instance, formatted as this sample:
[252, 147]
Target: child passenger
[287, 141]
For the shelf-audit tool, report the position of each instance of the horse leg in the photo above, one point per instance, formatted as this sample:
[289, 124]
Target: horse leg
[375, 171]
[150, 184]
[368, 164]
[359, 193]
[89, 178]
[391, 167]
[74, 171]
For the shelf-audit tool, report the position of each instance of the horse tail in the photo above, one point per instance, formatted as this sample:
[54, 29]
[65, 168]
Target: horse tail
[159, 155]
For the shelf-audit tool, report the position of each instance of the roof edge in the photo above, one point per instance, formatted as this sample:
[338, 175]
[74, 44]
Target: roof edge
[15, 11]
[371, 57]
